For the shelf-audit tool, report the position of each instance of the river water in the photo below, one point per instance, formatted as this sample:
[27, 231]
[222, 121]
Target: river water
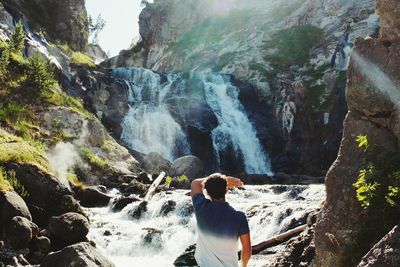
[159, 236]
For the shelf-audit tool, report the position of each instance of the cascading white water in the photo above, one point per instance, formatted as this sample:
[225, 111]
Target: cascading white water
[148, 126]
[125, 240]
[234, 126]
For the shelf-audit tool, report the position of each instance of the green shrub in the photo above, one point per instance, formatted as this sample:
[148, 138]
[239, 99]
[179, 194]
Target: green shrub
[80, 59]
[378, 182]
[18, 38]
[183, 179]
[4, 183]
[94, 160]
[5, 51]
[168, 180]
[40, 73]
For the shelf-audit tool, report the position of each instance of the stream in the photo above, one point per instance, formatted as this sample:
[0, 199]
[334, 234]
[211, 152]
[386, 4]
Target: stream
[168, 227]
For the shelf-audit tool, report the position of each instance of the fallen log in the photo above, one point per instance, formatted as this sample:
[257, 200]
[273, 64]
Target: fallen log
[277, 240]
[152, 190]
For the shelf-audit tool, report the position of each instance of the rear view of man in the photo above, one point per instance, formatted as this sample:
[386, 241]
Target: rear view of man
[219, 225]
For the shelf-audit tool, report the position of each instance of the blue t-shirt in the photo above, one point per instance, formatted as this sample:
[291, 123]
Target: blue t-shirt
[219, 227]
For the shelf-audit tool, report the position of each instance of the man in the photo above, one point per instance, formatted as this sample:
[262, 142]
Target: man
[219, 225]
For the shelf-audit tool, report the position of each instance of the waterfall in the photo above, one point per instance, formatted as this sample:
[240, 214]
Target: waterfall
[160, 108]
[148, 126]
[234, 126]
[127, 242]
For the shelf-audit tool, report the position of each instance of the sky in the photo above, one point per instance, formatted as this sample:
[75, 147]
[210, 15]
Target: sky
[121, 22]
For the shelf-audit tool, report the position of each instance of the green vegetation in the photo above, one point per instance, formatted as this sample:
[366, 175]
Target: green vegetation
[74, 180]
[378, 183]
[168, 180]
[8, 182]
[81, 59]
[377, 190]
[18, 38]
[94, 160]
[22, 153]
[292, 46]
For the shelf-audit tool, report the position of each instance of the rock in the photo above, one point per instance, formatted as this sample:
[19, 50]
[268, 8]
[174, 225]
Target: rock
[167, 207]
[45, 191]
[11, 205]
[189, 166]
[143, 178]
[120, 203]
[81, 254]
[20, 231]
[70, 227]
[43, 243]
[299, 251]
[389, 12]
[187, 258]
[92, 197]
[137, 211]
[154, 163]
[97, 53]
[136, 188]
[386, 252]
[152, 238]
[69, 204]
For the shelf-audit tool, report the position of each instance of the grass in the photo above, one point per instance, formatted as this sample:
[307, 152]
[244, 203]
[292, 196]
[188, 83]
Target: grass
[9, 182]
[81, 59]
[74, 180]
[4, 183]
[94, 160]
[22, 153]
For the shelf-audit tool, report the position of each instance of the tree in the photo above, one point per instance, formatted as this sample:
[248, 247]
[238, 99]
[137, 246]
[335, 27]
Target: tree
[95, 27]
[18, 38]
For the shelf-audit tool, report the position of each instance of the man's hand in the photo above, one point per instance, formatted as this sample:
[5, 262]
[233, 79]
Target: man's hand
[197, 187]
[233, 182]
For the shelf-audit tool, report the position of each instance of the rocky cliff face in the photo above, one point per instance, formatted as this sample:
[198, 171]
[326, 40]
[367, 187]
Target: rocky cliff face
[282, 49]
[373, 97]
[65, 21]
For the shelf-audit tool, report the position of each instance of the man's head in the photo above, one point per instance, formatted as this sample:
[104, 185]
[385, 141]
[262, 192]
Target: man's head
[216, 186]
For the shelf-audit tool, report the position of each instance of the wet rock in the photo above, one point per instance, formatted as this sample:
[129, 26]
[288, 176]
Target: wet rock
[154, 163]
[107, 233]
[70, 227]
[120, 203]
[187, 258]
[189, 166]
[143, 178]
[20, 231]
[167, 207]
[11, 205]
[81, 254]
[152, 238]
[385, 253]
[92, 197]
[137, 211]
[136, 188]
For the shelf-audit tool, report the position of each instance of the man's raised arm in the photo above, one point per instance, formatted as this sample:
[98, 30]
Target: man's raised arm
[197, 187]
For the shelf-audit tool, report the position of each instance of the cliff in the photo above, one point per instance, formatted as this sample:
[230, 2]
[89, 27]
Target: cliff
[281, 50]
[345, 231]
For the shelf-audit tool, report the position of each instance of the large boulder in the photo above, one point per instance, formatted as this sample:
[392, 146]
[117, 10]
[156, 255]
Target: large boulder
[78, 255]
[92, 197]
[189, 166]
[20, 231]
[154, 163]
[11, 205]
[70, 227]
[385, 253]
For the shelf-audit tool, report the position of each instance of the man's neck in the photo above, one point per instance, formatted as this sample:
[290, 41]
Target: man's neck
[218, 200]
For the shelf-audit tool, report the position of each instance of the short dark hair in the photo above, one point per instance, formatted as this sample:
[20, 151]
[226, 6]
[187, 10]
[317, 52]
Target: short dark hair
[215, 185]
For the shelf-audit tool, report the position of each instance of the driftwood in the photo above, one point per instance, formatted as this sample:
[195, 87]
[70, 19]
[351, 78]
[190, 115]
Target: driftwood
[277, 240]
[153, 187]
